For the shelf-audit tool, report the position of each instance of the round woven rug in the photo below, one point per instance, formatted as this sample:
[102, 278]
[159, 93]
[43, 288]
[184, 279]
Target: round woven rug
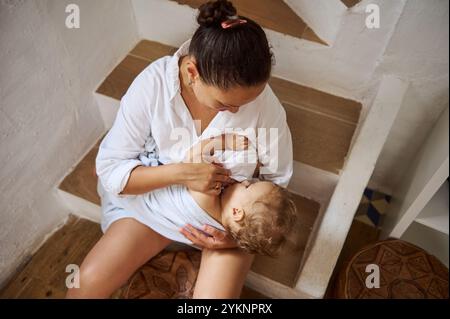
[405, 271]
[169, 275]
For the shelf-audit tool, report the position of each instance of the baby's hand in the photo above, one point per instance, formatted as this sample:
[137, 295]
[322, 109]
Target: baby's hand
[236, 142]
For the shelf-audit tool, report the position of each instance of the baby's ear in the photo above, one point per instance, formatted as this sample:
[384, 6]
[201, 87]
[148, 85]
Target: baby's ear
[238, 214]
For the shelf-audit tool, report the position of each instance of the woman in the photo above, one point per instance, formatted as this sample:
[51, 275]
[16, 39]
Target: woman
[215, 81]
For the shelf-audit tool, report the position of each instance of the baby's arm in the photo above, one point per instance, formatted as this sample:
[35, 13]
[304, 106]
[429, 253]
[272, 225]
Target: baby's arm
[207, 147]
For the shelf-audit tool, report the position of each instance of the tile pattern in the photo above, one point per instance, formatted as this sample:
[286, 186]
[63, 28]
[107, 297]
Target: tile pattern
[373, 207]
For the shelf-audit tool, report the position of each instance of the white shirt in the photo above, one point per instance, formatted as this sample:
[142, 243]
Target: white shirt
[153, 120]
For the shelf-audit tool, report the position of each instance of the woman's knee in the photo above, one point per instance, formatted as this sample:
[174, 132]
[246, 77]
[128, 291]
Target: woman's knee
[222, 273]
[92, 283]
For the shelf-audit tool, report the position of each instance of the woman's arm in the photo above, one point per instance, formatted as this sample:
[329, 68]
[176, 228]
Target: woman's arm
[200, 177]
[118, 166]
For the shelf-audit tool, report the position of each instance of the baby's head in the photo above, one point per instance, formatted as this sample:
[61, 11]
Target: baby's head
[259, 216]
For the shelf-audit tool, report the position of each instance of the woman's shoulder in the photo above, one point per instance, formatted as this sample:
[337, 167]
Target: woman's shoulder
[150, 84]
[152, 77]
[267, 104]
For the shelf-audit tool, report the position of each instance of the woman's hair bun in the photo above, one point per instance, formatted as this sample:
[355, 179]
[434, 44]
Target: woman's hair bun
[214, 12]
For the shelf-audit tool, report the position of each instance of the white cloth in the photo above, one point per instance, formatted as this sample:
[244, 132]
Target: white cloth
[152, 118]
[164, 210]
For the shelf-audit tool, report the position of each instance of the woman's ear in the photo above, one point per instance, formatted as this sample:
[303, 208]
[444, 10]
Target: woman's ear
[238, 214]
[192, 69]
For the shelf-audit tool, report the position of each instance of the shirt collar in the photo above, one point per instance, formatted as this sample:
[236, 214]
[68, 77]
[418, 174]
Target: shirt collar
[173, 80]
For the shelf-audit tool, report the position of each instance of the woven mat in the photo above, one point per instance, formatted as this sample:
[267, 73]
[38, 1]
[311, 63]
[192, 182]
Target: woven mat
[406, 271]
[171, 274]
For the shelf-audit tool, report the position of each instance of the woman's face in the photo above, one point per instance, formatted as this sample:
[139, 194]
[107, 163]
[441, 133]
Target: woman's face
[229, 100]
[217, 99]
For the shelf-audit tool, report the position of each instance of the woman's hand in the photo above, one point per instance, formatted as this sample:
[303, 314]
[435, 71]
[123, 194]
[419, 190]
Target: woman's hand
[217, 239]
[206, 178]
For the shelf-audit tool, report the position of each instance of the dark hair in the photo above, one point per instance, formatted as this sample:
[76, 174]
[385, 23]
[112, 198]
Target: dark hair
[236, 56]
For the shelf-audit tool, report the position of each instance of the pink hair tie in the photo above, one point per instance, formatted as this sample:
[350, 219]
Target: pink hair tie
[232, 21]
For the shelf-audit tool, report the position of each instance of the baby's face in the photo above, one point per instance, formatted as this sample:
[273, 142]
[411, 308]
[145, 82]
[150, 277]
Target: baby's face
[239, 197]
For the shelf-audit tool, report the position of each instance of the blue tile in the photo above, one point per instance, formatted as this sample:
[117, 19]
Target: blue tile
[368, 193]
[373, 214]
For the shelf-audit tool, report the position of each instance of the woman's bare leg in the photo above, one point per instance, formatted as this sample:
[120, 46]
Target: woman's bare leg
[126, 245]
[222, 273]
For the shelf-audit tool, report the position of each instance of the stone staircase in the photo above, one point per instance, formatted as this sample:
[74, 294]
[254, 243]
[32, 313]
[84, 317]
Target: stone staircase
[335, 145]
[322, 127]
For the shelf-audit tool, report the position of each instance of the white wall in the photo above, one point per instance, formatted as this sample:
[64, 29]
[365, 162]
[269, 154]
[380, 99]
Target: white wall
[48, 117]
[419, 53]
[426, 172]
[322, 16]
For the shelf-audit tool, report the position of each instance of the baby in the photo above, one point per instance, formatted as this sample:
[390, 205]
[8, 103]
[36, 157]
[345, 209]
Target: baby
[259, 215]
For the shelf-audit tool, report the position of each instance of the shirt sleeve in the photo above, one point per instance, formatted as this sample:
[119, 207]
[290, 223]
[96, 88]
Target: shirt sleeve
[274, 142]
[119, 151]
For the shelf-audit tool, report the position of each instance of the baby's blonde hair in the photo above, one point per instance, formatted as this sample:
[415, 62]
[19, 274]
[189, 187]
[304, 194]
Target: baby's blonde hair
[267, 223]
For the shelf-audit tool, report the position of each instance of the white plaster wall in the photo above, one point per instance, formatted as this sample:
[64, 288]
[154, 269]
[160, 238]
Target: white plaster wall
[323, 16]
[164, 21]
[419, 53]
[426, 173]
[48, 117]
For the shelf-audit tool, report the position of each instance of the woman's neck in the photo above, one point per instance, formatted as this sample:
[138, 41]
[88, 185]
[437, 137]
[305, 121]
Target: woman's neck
[196, 109]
